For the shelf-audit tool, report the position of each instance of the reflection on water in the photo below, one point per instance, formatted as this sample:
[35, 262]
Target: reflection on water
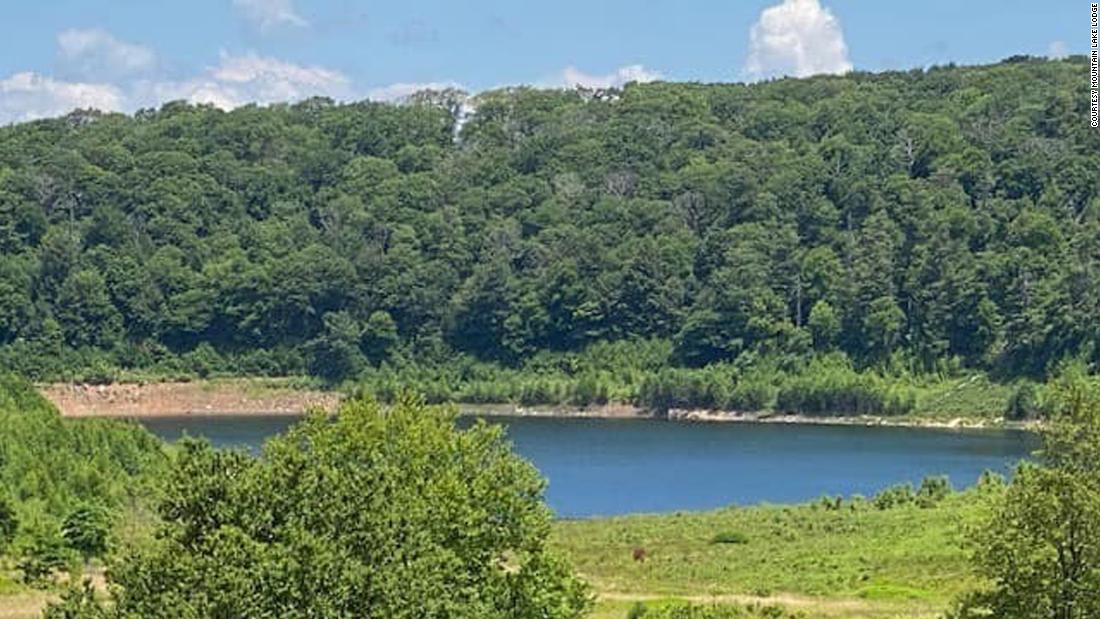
[598, 466]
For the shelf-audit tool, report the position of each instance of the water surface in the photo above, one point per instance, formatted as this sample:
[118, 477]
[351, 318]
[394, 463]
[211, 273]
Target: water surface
[604, 467]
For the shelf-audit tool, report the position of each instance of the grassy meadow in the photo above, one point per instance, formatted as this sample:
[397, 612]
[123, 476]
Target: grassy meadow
[813, 560]
[816, 559]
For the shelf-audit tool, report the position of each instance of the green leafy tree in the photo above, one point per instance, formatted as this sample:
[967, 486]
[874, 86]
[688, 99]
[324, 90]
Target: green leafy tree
[378, 512]
[42, 554]
[1040, 545]
[379, 336]
[883, 326]
[86, 529]
[9, 523]
[335, 354]
[824, 323]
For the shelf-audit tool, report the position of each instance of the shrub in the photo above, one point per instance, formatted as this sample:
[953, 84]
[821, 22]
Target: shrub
[589, 389]
[1024, 402]
[990, 482]
[85, 530]
[894, 496]
[932, 490]
[730, 537]
[686, 388]
[830, 389]
[43, 553]
[751, 394]
[77, 602]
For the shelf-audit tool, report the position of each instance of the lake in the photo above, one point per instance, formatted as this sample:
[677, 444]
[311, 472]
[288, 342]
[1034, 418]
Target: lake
[605, 467]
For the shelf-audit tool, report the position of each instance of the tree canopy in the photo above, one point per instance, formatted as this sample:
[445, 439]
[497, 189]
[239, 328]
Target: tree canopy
[1040, 543]
[385, 513]
[929, 214]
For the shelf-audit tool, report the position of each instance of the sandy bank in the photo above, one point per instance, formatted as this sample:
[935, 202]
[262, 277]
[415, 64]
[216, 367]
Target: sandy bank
[239, 397]
[262, 397]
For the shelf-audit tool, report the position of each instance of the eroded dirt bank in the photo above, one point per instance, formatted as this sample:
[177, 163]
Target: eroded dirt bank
[172, 399]
[270, 397]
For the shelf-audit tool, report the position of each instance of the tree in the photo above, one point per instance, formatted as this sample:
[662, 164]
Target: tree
[9, 523]
[521, 222]
[824, 325]
[85, 310]
[379, 336]
[1040, 545]
[85, 530]
[334, 355]
[883, 326]
[385, 513]
[41, 554]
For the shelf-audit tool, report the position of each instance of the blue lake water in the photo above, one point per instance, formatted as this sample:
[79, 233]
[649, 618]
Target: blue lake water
[605, 467]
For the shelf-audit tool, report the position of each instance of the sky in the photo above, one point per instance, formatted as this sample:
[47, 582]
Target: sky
[123, 55]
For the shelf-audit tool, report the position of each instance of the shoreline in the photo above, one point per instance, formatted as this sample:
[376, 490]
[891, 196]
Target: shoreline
[243, 397]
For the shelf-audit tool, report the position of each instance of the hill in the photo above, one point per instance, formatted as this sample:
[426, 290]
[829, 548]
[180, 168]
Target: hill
[929, 221]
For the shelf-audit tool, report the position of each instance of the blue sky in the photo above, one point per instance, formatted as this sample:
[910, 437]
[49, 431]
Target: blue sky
[124, 54]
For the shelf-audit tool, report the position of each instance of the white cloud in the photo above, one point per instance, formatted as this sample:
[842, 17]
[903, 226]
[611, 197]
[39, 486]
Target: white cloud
[268, 15]
[102, 72]
[571, 77]
[28, 96]
[249, 78]
[95, 54]
[1058, 50]
[797, 37]
[401, 90]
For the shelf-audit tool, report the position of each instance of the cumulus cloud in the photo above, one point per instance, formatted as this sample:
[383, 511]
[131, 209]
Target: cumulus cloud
[268, 15]
[797, 37]
[29, 96]
[234, 81]
[249, 78]
[1058, 50]
[571, 77]
[96, 54]
[102, 72]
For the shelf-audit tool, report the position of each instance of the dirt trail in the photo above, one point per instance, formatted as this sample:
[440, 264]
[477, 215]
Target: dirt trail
[819, 606]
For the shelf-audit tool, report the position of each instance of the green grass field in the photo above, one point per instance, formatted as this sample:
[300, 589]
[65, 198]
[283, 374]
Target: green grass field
[856, 561]
[811, 560]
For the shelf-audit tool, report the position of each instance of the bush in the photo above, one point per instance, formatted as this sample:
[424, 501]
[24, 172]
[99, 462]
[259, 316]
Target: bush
[932, 490]
[9, 523]
[86, 529]
[589, 389]
[751, 394]
[43, 553]
[1024, 402]
[990, 482]
[203, 361]
[686, 388]
[77, 602]
[894, 496]
[730, 537]
[834, 388]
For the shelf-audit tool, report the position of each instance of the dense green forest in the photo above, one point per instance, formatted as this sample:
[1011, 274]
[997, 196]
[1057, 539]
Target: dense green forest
[929, 220]
[67, 488]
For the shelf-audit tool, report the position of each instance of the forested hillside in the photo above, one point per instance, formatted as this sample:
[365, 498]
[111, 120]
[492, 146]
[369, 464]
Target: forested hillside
[932, 218]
